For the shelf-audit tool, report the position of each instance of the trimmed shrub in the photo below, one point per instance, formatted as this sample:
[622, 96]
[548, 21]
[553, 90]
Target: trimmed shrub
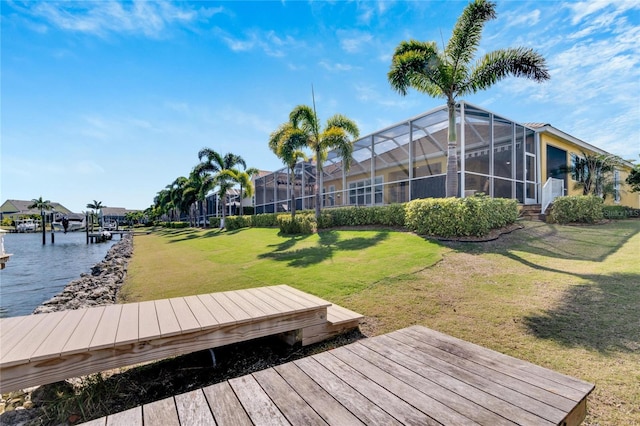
[576, 209]
[175, 225]
[265, 220]
[620, 212]
[236, 222]
[391, 215]
[460, 217]
[214, 222]
[301, 224]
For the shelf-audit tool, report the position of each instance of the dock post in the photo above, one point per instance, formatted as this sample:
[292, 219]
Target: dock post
[44, 229]
[87, 226]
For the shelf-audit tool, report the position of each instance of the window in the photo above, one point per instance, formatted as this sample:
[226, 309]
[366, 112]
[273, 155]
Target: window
[329, 199]
[360, 192]
[579, 170]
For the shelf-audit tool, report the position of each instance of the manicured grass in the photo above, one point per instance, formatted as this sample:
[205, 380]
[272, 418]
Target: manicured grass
[565, 297]
[331, 264]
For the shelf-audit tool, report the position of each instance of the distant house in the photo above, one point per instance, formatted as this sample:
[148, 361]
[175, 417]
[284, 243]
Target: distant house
[17, 209]
[115, 214]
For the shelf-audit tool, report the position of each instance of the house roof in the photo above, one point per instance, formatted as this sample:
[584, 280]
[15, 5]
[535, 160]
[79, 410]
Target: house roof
[113, 211]
[22, 207]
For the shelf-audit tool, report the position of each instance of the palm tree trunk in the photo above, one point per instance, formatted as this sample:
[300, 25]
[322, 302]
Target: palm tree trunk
[452, 155]
[293, 194]
[317, 184]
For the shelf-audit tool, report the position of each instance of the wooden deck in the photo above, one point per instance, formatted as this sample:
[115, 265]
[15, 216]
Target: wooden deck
[412, 376]
[45, 348]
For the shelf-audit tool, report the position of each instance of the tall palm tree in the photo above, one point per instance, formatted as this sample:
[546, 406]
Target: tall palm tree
[96, 207]
[336, 135]
[40, 204]
[449, 74]
[246, 186]
[214, 165]
[162, 202]
[286, 142]
[176, 191]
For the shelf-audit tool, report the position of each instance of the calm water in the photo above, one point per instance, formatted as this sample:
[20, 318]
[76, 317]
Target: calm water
[35, 273]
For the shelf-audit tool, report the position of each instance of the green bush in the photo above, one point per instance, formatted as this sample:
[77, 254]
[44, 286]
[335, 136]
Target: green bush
[265, 220]
[460, 217]
[175, 225]
[391, 215]
[236, 222]
[301, 224]
[620, 212]
[214, 222]
[576, 209]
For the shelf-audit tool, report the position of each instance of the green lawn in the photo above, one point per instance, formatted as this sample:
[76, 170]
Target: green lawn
[565, 297]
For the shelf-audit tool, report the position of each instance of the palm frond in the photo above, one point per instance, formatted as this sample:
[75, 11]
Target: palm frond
[467, 33]
[496, 65]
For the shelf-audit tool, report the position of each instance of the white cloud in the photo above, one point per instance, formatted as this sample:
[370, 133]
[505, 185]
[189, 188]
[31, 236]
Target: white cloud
[104, 17]
[353, 41]
[335, 67]
[267, 41]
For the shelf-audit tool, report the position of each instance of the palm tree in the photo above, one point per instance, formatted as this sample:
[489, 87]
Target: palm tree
[233, 177]
[212, 169]
[286, 142]
[96, 207]
[40, 204]
[592, 173]
[246, 189]
[335, 136]
[450, 74]
[162, 201]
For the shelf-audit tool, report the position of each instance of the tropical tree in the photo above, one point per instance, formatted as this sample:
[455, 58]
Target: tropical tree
[96, 207]
[634, 178]
[450, 74]
[40, 204]
[162, 202]
[336, 135]
[593, 173]
[212, 169]
[287, 143]
[246, 186]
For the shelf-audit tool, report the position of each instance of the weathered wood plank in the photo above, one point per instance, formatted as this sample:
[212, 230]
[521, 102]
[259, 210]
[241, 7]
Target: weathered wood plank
[292, 405]
[8, 324]
[361, 407]
[473, 409]
[56, 340]
[256, 402]
[516, 365]
[22, 351]
[293, 292]
[420, 400]
[162, 412]
[131, 417]
[504, 401]
[268, 309]
[186, 319]
[277, 305]
[392, 404]
[104, 335]
[148, 326]
[202, 314]
[102, 421]
[193, 409]
[315, 396]
[549, 398]
[226, 409]
[128, 324]
[169, 325]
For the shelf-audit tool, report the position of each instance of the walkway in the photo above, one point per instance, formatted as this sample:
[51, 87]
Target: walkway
[412, 376]
[46, 348]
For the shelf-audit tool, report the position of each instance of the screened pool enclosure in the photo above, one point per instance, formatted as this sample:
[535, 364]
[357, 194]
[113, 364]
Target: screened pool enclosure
[496, 156]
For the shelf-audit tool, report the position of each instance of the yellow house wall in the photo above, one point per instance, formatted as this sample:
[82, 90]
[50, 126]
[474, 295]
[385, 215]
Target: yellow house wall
[627, 198]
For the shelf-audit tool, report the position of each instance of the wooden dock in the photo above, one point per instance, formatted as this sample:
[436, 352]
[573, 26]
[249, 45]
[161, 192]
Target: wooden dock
[45, 348]
[414, 376]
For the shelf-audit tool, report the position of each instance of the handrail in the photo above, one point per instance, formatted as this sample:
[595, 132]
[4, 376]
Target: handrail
[552, 189]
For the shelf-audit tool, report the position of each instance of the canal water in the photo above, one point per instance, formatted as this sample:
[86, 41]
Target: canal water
[35, 273]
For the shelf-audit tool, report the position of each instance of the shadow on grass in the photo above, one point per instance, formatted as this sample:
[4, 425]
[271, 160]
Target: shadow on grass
[590, 242]
[601, 315]
[329, 243]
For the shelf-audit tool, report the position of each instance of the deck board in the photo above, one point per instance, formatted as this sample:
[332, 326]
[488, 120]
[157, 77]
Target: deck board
[193, 409]
[162, 412]
[40, 349]
[389, 380]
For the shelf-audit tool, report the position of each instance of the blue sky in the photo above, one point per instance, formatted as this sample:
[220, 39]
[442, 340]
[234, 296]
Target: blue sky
[111, 101]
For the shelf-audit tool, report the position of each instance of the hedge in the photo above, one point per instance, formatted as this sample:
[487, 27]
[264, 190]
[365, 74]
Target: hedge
[460, 217]
[576, 209]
